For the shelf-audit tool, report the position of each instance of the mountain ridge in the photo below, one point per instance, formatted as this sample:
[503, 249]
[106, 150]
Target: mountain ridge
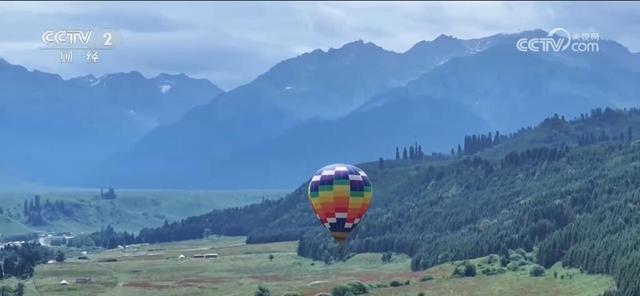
[82, 120]
[494, 88]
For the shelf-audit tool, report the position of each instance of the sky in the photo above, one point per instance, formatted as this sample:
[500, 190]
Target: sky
[231, 43]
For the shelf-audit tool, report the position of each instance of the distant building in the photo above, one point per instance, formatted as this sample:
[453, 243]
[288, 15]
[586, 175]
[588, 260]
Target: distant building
[110, 194]
[205, 256]
[64, 283]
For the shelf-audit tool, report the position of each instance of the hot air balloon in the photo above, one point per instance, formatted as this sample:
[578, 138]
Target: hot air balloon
[340, 195]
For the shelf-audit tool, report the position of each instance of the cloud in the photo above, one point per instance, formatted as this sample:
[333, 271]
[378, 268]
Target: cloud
[136, 21]
[231, 43]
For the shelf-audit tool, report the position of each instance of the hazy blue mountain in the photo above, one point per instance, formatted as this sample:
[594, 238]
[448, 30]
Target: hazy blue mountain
[260, 133]
[320, 85]
[509, 88]
[55, 130]
[363, 135]
[498, 88]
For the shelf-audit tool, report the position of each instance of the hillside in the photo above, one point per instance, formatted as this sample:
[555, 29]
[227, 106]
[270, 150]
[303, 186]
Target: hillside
[565, 189]
[78, 211]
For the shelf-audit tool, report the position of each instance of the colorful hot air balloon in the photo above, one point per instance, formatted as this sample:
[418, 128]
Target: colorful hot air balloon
[340, 195]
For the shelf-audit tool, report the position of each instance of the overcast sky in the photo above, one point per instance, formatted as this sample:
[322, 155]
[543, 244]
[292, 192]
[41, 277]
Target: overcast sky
[231, 43]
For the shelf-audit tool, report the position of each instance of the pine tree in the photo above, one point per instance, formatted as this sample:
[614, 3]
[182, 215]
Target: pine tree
[37, 202]
[9, 267]
[397, 153]
[404, 153]
[19, 289]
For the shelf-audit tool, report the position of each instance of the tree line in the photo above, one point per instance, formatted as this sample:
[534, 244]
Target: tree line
[19, 260]
[34, 210]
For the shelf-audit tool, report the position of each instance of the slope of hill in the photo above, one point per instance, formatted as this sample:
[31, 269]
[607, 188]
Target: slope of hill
[48, 123]
[79, 211]
[329, 106]
[565, 189]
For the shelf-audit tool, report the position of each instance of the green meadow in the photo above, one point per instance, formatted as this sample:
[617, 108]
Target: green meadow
[158, 270]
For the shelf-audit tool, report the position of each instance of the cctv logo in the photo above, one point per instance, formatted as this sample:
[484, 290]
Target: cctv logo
[70, 37]
[559, 40]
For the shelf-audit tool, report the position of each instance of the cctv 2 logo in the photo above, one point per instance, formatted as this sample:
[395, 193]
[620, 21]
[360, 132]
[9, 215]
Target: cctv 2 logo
[559, 40]
[64, 38]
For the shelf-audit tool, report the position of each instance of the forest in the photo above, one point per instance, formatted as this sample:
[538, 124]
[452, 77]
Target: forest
[19, 260]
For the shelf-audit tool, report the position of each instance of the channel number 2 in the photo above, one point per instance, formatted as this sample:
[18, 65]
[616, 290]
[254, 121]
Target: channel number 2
[107, 39]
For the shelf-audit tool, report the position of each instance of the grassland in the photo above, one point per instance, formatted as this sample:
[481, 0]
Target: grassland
[157, 270]
[131, 211]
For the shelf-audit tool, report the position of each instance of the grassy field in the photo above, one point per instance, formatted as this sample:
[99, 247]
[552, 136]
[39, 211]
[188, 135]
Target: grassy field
[156, 270]
[131, 211]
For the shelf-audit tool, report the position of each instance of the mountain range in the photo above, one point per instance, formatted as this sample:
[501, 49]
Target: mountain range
[350, 104]
[56, 131]
[359, 102]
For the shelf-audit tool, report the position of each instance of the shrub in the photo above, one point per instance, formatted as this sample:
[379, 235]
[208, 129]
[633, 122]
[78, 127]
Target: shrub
[504, 261]
[530, 257]
[469, 269]
[426, 278]
[513, 266]
[358, 288]
[355, 288]
[536, 270]
[421, 294]
[341, 291]
[395, 283]
[493, 258]
[493, 271]
[458, 272]
[60, 256]
[262, 291]
[386, 257]
[515, 257]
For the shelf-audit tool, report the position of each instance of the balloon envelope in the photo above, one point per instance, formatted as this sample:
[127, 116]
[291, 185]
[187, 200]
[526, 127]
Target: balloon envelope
[340, 195]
